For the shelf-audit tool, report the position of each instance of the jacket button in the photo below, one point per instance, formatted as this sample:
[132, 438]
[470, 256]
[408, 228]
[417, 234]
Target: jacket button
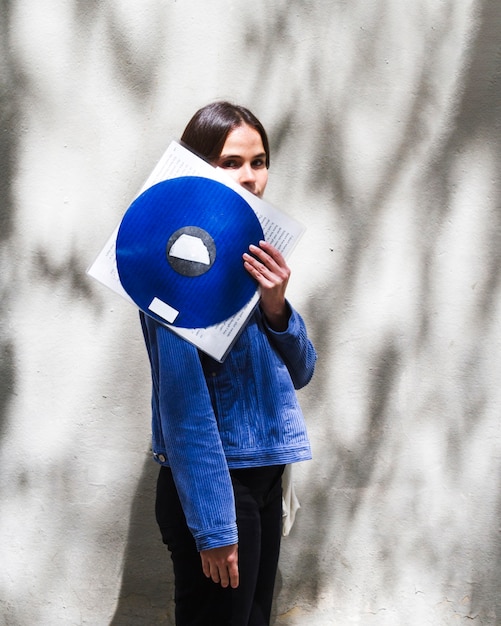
[161, 458]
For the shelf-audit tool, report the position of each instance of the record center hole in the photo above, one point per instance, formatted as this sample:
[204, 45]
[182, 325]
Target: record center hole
[190, 248]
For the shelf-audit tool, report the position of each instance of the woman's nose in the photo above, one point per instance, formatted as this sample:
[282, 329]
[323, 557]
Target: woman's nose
[247, 174]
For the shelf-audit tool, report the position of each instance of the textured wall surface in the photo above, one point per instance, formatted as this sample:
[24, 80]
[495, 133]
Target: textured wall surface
[384, 120]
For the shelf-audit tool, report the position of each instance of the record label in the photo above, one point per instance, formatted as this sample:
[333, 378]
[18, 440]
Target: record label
[191, 251]
[179, 251]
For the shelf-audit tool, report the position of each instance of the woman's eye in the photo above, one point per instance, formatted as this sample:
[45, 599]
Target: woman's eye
[229, 164]
[258, 163]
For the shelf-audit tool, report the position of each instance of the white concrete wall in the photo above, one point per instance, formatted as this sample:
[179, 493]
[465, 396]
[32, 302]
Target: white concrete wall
[385, 125]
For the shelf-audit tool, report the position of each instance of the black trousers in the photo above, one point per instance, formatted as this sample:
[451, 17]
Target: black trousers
[201, 602]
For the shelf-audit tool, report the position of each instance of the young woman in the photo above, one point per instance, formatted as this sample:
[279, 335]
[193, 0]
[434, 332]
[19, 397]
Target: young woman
[223, 432]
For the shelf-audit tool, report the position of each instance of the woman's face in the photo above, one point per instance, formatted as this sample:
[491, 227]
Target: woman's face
[244, 158]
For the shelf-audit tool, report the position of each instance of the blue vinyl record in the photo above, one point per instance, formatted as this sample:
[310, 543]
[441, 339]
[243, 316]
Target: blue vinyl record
[179, 251]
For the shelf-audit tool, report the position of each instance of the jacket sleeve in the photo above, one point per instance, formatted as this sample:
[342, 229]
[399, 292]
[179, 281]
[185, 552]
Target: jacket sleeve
[191, 437]
[295, 349]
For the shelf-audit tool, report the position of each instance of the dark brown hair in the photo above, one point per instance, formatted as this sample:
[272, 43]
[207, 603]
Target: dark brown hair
[207, 130]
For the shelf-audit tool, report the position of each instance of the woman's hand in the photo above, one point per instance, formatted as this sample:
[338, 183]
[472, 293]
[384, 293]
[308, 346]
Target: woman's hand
[221, 564]
[266, 264]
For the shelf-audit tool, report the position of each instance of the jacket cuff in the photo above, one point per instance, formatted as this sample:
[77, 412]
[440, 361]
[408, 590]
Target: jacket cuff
[217, 538]
[292, 324]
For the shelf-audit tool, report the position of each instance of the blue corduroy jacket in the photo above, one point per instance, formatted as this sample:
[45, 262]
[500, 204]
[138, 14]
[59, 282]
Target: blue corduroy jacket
[209, 417]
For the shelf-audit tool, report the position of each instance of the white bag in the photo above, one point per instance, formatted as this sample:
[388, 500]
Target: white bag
[290, 503]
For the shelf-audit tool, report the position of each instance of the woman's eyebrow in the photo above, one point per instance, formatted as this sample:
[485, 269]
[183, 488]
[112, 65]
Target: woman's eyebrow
[261, 155]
